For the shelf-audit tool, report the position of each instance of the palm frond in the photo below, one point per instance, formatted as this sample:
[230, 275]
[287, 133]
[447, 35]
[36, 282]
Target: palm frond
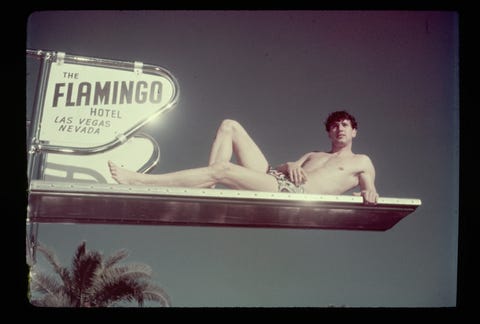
[119, 275]
[131, 270]
[80, 252]
[51, 257]
[52, 301]
[94, 282]
[119, 290]
[44, 284]
[109, 276]
[84, 269]
[155, 293]
[116, 257]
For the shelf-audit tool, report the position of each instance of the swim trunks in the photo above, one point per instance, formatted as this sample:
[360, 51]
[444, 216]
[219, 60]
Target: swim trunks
[284, 184]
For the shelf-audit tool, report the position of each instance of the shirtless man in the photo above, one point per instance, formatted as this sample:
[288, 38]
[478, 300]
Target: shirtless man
[333, 172]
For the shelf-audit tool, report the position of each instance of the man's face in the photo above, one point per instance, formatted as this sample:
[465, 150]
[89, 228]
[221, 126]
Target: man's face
[341, 132]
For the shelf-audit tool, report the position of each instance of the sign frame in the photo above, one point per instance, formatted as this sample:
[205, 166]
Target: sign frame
[36, 146]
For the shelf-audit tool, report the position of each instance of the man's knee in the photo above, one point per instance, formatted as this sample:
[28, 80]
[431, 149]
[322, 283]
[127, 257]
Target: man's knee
[229, 126]
[220, 170]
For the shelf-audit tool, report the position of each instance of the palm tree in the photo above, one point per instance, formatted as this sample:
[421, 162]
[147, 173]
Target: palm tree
[94, 282]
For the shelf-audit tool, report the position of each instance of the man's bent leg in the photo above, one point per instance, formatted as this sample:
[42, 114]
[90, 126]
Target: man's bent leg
[233, 138]
[238, 177]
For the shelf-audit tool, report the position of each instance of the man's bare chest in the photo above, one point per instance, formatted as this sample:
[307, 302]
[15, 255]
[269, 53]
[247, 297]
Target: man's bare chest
[320, 163]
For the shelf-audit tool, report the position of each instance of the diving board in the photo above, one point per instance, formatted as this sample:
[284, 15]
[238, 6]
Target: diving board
[94, 203]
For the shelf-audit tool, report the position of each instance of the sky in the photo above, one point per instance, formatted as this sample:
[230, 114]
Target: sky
[279, 73]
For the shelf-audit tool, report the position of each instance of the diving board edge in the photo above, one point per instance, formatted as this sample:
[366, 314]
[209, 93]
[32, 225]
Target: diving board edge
[125, 204]
[94, 188]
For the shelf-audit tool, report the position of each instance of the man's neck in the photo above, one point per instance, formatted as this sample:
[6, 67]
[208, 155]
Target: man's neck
[336, 149]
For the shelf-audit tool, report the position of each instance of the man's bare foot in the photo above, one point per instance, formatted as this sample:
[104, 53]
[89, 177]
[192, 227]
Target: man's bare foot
[124, 176]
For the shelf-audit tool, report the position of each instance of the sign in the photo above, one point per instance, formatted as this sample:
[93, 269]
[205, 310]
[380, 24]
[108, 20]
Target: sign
[92, 104]
[140, 153]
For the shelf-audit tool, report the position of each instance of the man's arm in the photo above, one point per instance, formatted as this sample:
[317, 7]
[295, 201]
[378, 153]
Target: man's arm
[294, 169]
[367, 181]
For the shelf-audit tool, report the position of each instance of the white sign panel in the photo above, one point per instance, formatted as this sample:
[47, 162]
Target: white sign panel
[87, 106]
[136, 154]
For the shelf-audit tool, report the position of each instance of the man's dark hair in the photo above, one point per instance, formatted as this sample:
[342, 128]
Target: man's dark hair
[338, 116]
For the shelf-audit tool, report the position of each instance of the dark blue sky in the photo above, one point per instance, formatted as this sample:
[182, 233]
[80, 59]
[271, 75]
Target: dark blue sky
[280, 73]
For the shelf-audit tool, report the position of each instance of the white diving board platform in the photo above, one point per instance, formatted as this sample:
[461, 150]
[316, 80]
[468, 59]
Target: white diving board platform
[94, 203]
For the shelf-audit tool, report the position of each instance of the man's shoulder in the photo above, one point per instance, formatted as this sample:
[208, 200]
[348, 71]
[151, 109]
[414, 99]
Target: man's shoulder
[363, 159]
[318, 153]
[362, 156]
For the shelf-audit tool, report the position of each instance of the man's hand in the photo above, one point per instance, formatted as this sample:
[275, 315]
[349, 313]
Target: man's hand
[296, 173]
[370, 197]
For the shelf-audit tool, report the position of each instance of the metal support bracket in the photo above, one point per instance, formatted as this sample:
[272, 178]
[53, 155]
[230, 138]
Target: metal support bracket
[60, 58]
[138, 67]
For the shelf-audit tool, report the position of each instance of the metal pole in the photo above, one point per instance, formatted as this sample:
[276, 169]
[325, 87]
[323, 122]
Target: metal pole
[34, 131]
[34, 170]
[32, 242]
